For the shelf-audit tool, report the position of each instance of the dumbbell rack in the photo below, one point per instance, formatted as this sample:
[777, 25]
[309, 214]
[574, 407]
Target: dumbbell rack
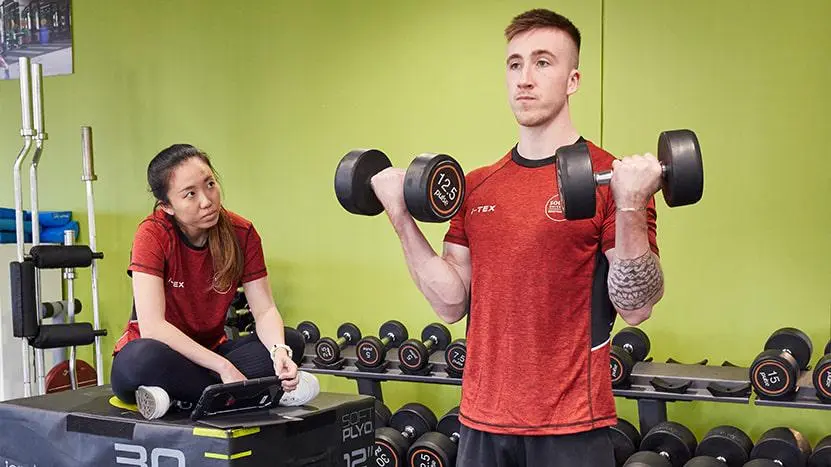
[651, 384]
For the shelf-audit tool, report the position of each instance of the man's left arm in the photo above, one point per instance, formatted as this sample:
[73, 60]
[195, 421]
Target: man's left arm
[636, 281]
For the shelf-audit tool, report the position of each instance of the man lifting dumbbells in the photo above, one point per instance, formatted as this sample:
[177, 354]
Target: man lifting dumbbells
[533, 280]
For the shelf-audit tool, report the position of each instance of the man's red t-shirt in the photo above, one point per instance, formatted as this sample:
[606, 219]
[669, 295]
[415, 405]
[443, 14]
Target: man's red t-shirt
[540, 315]
[192, 305]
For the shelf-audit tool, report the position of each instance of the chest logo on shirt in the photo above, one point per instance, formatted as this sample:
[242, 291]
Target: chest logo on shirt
[554, 208]
[175, 284]
[483, 209]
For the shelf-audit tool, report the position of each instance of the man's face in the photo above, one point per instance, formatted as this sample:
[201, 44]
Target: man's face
[540, 74]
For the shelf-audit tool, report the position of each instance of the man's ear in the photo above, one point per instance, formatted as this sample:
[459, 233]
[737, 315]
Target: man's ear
[573, 82]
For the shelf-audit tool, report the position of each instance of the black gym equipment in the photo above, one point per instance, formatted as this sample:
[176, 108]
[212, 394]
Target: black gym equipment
[775, 371]
[821, 456]
[406, 425]
[328, 350]
[822, 376]
[726, 445]
[434, 184]
[309, 331]
[626, 439]
[455, 357]
[382, 414]
[438, 448]
[629, 346]
[414, 355]
[678, 152]
[671, 440]
[647, 459]
[371, 351]
[784, 446]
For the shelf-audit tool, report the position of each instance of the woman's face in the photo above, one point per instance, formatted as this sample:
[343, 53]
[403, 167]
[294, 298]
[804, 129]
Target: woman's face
[193, 194]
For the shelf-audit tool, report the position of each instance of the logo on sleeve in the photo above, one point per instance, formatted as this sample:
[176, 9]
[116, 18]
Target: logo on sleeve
[484, 209]
[554, 208]
[176, 284]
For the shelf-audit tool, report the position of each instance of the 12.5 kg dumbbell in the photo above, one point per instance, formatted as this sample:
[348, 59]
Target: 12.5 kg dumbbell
[438, 448]
[678, 152]
[629, 346]
[328, 350]
[372, 351]
[414, 355]
[406, 425]
[775, 371]
[434, 184]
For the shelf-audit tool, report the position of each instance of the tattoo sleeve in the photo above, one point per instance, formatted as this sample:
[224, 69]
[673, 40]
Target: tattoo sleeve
[634, 283]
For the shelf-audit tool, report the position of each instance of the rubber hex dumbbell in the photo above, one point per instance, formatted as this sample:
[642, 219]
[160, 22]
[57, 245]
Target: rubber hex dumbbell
[438, 448]
[455, 357]
[678, 152]
[647, 459]
[309, 331]
[372, 351]
[328, 350]
[821, 456]
[671, 440]
[722, 446]
[414, 355]
[775, 371]
[382, 414]
[434, 184]
[629, 346]
[822, 376]
[406, 425]
[783, 446]
[626, 440]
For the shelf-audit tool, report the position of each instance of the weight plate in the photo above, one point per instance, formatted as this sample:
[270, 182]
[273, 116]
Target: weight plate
[625, 439]
[382, 414]
[827, 348]
[647, 459]
[456, 354]
[350, 329]
[433, 450]
[773, 374]
[727, 443]
[680, 154]
[784, 445]
[417, 416]
[397, 329]
[449, 423]
[620, 364]
[634, 341]
[440, 332]
[762, 463]
[822, 379]
[794, 341]
[434, 187]
[310, 331]
[369, 351]
[327, 350]
[575, 181]
[704, 461]
[390, 448]
[671, 439]
[353, 177]
[412, 355]
[822, 454]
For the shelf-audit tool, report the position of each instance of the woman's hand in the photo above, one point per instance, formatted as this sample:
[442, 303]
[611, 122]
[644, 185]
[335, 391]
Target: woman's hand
[230, 374]
[286, 369]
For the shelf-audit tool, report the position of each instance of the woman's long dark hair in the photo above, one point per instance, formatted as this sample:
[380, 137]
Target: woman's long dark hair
[222, 240]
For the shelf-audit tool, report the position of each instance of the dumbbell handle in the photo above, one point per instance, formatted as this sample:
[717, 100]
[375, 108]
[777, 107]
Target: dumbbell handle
[409, 432]
[346, 337]
[429, 343]
[605, 177]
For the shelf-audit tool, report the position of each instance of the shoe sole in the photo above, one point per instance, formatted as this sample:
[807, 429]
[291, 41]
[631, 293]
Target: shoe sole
[146, 403]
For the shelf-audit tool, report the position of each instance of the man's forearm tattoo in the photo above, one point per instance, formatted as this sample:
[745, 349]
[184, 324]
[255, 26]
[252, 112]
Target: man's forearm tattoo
[633, 283]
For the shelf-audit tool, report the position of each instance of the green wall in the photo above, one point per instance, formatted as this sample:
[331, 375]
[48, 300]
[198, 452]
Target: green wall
[277, 93]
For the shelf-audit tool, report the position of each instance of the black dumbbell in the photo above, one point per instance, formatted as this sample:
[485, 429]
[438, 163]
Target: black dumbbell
[626, 439]
[414, 355]
[723, 446]
[406, 425]
[309, 331]
[647, 459]
[434, 184]
[671, 440]
[822, 454]
[438, 448]
[629, 346]
[382, 414]
[784, 446]
[328, 350]
[775, 371]
[822, 376]
[678, 152]
[372, 351]
[455, 357]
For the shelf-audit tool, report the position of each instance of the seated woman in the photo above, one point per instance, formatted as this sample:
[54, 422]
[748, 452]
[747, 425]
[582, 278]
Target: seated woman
[188, 259]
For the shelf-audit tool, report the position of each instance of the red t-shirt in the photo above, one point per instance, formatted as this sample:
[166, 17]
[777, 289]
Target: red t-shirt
[540, 315]
[160, 248]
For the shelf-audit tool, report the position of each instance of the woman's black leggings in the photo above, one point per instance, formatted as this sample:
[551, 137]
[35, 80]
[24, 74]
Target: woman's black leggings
[148, 362]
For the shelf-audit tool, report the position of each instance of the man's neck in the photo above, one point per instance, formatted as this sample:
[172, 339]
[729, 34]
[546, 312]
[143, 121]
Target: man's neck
[542, 141]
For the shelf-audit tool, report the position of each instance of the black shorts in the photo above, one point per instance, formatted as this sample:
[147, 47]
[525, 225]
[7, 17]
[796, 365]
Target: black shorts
[589, 449]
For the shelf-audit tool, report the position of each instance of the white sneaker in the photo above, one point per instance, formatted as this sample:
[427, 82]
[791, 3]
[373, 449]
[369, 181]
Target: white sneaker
[152, 401]
[308, 387]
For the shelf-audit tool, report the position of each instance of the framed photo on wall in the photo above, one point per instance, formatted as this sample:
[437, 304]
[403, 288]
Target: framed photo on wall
[38, 29]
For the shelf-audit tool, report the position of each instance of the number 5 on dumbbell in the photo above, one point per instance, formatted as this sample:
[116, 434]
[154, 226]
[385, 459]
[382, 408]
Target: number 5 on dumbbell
[678, 152]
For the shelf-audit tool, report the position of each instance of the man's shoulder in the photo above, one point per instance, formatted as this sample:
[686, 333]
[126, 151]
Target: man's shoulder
[477, 176]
